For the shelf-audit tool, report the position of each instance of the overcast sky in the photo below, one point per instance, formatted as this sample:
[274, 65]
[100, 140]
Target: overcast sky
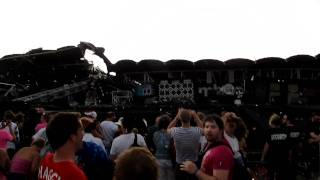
[164, 29]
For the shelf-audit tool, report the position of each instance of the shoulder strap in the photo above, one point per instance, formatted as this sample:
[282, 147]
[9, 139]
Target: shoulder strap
[135, 142]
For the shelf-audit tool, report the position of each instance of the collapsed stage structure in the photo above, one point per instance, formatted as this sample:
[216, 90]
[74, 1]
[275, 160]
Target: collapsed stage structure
[41, 76]
[63, 78]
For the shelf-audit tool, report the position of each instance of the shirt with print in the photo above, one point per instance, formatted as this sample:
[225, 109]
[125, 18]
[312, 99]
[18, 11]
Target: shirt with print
[279, 144]
[64, 170]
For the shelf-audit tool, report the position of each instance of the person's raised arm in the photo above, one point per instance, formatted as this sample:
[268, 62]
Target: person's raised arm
[173, 123]
[197, 119]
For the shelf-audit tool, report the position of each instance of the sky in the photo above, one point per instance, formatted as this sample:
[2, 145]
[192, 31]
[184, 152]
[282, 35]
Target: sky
[164, 29]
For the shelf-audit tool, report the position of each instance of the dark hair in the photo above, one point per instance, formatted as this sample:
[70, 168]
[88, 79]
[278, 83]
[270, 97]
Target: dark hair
[164, 121]
[92, 126]
[88, 124]
[19, 117]
[135, 164]
[61, 127]
[214, 118]
[110, 114]
[8, 115]
[201, 116]
[128, 124]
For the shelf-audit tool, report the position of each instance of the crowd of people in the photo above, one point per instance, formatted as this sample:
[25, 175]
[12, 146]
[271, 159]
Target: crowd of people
[188, 145]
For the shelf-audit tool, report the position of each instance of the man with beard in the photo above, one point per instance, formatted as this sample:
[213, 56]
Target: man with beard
[65, 135]
[218, 161]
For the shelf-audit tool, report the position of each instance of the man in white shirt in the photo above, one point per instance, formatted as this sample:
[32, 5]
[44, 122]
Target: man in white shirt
[126, 140]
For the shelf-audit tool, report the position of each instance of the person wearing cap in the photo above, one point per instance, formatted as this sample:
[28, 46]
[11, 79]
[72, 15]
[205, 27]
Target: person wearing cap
[91, 114]
[120, 127]
[109, 129]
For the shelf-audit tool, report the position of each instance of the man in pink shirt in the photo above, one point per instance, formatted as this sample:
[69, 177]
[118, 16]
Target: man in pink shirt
[218, 162]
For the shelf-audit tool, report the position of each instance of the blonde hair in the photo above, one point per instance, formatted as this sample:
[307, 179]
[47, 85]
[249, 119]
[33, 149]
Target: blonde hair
[274, 120]
[136, 163]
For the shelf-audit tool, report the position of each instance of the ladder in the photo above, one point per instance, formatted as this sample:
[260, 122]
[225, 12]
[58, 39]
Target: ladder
[56, 93]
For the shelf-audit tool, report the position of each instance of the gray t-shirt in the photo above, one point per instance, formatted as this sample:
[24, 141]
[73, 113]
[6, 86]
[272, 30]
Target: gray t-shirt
[186, 141]
[109, 130]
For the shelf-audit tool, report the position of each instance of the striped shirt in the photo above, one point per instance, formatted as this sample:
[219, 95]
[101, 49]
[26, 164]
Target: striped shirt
[186, 141]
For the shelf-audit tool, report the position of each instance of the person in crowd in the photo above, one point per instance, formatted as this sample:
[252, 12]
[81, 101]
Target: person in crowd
[285, 120]
[25, 162]
[276, 149]
[65, 135]
[295, 143]
[43, 122]
[126, 140]
[90, 129]
[19, 120]
[217, 162]
[136, 163]
[161, 140]
[313, 135]
[91, 114]
[11, 128]
[95, 163]
[109, 129]
[31, 119]
[5, 136]
[203, 139]
[41, 134]
[231, 123]
[151, 130]
[186, 139]
[120, 127]
[4, 164]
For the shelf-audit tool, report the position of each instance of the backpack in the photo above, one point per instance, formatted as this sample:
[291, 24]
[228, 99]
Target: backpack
[135, 141]
[239, 169]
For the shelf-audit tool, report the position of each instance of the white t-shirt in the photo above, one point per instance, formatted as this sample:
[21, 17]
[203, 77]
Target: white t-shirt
[234, 143]
[124, 142]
